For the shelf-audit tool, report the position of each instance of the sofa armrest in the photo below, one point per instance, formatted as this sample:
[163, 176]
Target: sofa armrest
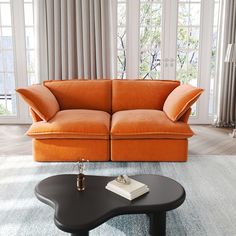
[41, 100]
[34, 115]
[180, 100]
[184, 118]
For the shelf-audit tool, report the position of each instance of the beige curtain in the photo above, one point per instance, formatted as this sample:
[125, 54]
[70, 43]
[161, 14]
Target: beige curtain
[226, 75]
[74, 39]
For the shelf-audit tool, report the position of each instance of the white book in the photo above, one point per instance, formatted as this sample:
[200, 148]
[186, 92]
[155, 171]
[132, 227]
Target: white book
[128, 196]
[130, 191]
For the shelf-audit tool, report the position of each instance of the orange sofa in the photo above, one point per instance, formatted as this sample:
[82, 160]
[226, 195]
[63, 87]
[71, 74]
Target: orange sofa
[102, 120]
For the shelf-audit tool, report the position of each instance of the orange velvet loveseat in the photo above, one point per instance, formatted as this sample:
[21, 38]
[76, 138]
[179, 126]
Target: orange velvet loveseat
[102, 120]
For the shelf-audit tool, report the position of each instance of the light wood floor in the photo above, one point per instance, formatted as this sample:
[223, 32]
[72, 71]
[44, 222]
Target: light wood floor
[207, 141]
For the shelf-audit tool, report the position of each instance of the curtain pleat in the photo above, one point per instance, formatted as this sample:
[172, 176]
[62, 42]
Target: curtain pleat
[79, 39]
[76, 36]
[98, 37]
[57, 42]
[226, 110]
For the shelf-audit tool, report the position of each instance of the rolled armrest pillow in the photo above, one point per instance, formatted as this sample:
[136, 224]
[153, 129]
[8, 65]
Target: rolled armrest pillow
[180, 100]
[41, 100]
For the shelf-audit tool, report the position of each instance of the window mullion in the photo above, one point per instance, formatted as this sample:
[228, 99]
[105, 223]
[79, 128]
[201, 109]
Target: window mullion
[133, 26]
[169, 39]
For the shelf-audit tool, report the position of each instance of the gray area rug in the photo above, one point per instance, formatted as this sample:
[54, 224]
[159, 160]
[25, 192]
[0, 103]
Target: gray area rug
[209, 208]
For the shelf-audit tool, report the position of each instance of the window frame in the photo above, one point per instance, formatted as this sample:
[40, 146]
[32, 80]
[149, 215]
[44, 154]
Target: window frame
[20, 63]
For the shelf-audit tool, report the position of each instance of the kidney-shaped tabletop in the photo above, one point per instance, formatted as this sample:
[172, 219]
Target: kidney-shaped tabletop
[87, 209]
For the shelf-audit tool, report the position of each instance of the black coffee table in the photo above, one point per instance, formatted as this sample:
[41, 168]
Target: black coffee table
[78, 212]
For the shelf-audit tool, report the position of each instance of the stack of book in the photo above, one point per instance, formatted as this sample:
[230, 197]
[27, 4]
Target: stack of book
[129, 191]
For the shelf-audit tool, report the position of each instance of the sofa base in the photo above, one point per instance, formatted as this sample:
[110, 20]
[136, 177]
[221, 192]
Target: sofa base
[149, 150]
[70, 150]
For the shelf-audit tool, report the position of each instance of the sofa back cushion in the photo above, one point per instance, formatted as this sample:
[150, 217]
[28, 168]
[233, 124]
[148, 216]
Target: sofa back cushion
[82, 94]
[141, 94]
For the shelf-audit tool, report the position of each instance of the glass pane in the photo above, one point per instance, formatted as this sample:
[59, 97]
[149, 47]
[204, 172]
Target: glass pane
[144, 62]
[121, 38]
[193, 39]
[7, 94]
[182, 37]
[188, 43]
[11, 104]
[183, 18]
[5, 14]
[156, 14]
[3, 107]
[121, 13]
[29, 18]
[121, 54]
[149, 63]
[121, 75]
[194, 16]
[6, 38]
[6, 61]
[216, 13]
[29, 36]
[30, 61]
[150, 14]
[193, 58]
[194, 110]
[31, 79]
[2, 84]
[182, 66]
[10, 83]
[150, 39]
[155, 74]
[1, 62]
[145, 14]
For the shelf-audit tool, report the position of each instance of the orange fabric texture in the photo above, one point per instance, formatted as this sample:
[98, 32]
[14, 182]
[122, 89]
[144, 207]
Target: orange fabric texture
[80, 124]
[82, 94]
[70, 150]
[34, 115]
[185, 116]
[41, 100]
[180, 100]
[140, 94]
[141, 124]
[149, 150]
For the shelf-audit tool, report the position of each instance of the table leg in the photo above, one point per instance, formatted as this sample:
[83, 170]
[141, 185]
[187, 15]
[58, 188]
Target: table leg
[82, 233]
[158, 223]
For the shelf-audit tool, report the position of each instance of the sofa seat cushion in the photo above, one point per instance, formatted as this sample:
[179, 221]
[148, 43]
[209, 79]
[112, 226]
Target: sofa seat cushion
[78, 124]
[152, 124]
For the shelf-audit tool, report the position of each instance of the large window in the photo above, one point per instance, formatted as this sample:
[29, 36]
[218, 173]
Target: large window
[17, 57]
[176, 39]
